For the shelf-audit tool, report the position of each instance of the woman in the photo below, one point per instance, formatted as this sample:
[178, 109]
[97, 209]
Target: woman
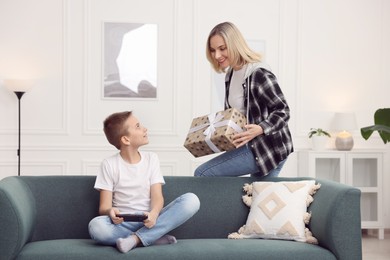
[251, 88]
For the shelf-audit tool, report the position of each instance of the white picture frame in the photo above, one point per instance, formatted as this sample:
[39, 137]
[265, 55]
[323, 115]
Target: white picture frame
[129, 60]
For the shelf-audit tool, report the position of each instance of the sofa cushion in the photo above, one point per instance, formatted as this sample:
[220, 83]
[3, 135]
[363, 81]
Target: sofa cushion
[188, 249]
[278, 211]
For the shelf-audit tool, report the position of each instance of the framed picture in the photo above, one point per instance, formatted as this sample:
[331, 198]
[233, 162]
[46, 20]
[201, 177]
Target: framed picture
[130, 60]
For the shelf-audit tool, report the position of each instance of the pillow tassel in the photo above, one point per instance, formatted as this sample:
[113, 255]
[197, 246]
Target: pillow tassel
[235, 235]
[242, 229]
[238, 234]
[309, 237]
[247, 200]
[309, 200]
[248, 188]
[306, 218]
[314, 189]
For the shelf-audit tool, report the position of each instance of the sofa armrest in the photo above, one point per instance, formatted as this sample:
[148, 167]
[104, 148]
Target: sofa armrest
[335, 219]
[17, 216]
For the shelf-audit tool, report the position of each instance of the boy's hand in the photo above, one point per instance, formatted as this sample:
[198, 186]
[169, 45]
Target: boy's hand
[112, 213]
[151, 220]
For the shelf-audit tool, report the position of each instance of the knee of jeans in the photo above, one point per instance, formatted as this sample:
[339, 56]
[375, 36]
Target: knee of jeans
[192, 202]
[202, 171]
[93, 228]
[198, 172]
[97, 230]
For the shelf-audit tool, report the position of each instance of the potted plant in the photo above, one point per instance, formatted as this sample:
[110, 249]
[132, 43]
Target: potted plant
[382, 125]
[319, 138]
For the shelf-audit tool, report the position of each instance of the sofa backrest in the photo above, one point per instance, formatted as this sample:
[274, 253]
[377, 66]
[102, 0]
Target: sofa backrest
[221, 208]
[64, 205]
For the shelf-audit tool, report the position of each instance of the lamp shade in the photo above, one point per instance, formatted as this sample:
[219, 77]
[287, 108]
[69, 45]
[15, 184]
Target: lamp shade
[18, 85]
[344, 122]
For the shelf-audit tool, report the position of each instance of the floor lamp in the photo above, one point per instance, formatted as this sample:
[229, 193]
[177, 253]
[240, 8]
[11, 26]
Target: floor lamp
[19, 87]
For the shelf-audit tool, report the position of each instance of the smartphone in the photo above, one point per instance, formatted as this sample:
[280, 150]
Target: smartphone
[133, 217]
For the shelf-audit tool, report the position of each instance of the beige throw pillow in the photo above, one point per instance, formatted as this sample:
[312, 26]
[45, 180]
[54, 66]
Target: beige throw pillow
[278, 210]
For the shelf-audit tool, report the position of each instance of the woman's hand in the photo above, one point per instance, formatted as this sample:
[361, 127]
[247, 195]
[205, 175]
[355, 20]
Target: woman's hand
[251, 132]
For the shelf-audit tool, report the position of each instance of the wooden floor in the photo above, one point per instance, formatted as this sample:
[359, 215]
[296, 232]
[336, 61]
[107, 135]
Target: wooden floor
[374, 248]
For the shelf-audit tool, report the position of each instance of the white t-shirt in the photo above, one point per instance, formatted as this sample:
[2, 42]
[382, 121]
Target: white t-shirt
[130, 183]
[236, 91]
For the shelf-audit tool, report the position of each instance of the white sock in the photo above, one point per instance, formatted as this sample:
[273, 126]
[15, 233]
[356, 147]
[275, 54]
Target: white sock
[124, 245]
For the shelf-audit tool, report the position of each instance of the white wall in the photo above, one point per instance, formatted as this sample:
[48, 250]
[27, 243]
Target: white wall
[329, 55]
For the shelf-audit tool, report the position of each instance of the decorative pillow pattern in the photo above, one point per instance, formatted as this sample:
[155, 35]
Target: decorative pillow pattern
[278, 210]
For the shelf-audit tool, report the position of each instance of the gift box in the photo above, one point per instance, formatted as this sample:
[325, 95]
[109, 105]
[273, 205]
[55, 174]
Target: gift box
[214, 133]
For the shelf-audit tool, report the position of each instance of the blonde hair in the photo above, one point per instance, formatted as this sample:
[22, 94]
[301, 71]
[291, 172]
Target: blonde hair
[238, 50]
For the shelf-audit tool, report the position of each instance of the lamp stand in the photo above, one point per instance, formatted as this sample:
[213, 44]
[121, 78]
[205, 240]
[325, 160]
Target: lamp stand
[19, 94]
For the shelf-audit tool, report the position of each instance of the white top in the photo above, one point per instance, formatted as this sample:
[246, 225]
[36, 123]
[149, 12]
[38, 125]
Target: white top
[236, 91]
[130, 183]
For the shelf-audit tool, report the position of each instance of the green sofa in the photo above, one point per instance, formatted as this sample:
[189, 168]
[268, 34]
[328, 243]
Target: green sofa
[46, 218]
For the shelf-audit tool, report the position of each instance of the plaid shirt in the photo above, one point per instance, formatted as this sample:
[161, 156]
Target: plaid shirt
[267, 108]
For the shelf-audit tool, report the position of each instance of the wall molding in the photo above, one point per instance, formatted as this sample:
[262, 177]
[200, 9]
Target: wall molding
[86, 147]
[44, 166]
[298, 83]
[169, 167]
[64, 128]
[91, 131]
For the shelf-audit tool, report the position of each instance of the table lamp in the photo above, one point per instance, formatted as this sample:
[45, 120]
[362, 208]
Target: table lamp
[19, 87]
[344, 122]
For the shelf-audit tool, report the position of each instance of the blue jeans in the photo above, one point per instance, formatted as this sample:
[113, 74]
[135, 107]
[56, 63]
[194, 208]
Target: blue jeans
[236, 162]
[103, 231]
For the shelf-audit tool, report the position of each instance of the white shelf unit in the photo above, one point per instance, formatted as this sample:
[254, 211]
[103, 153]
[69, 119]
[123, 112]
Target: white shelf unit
[362, 169]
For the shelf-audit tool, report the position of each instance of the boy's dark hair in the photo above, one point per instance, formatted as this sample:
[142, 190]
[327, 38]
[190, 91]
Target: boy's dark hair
[115, 128]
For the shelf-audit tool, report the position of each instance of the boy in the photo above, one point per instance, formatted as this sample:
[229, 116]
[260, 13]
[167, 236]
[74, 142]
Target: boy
[131, 182]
